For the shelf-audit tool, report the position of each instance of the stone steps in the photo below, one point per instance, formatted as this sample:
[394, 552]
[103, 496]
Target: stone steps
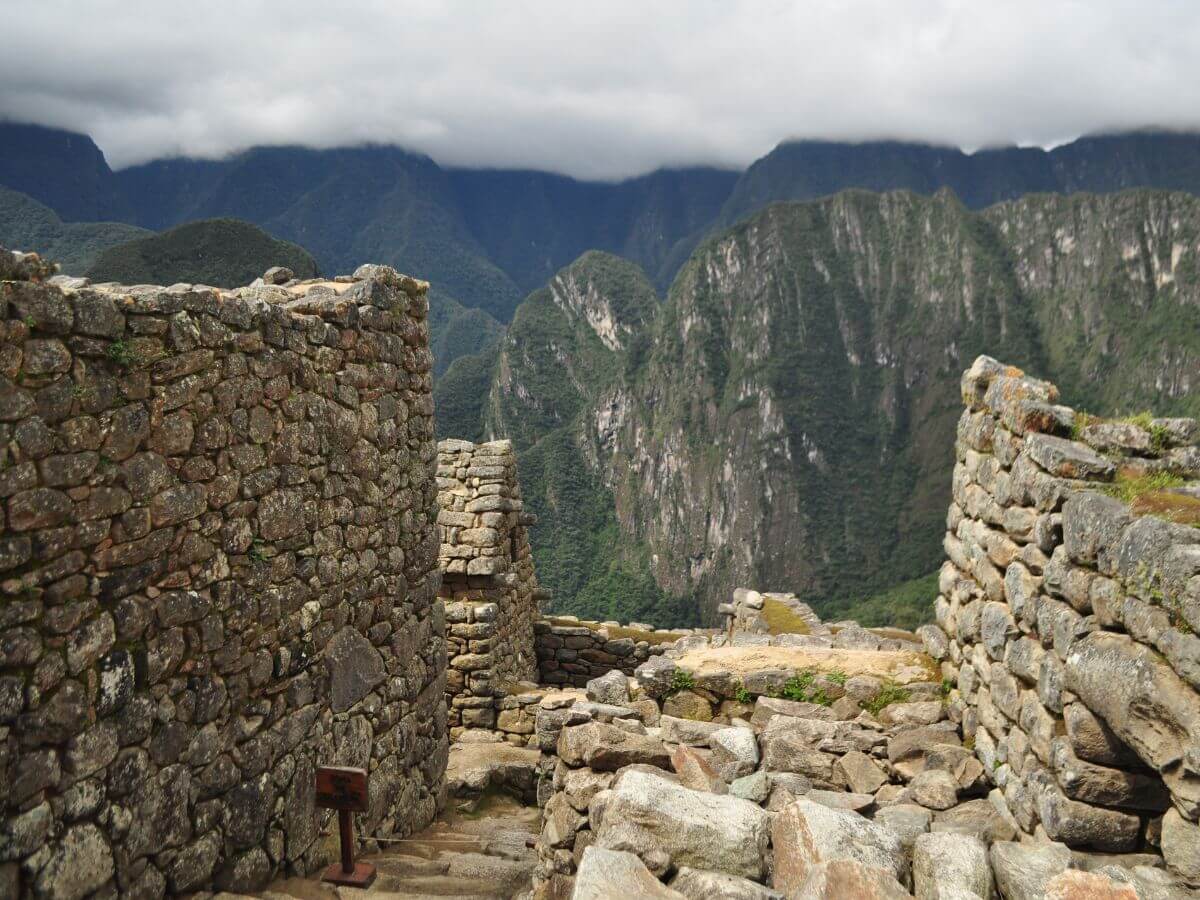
[480, 855]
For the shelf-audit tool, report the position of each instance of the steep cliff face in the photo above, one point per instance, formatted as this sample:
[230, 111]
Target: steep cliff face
[782, 418]
[1114, 282]
[791, 424]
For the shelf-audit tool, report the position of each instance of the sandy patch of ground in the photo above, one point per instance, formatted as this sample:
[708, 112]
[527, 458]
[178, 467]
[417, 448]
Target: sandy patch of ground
[902, 666]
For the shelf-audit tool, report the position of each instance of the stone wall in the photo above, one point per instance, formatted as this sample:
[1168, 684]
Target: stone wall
[218, 567]
[489, 587]
[571, 651]
[1067, 617]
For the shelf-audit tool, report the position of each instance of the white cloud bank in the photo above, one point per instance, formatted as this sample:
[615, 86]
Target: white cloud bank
[594, 89]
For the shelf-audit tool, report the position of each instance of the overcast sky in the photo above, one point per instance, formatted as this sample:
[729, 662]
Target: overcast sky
[596, 88]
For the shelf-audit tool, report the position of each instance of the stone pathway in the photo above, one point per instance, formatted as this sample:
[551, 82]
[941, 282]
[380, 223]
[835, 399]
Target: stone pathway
[476, 855]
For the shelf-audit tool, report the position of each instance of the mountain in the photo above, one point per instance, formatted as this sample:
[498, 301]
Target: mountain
[532, 223]
[64, 170]
[571, 345]
[27, 224]
[487, 237]
[806, 170]
[219, 252]
[784, 418]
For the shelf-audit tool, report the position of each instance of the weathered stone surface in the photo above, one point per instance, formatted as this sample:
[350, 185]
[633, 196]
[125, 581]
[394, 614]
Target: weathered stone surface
[696, 884]
[1071, 885]
[734, 752]
[859, 772]
[688, 705]
[1022, 871]
[355, 667]
[79, 864]
[1068, 459]
[604, 874]
[979, 818]
[766, 708]
[644, 812]
[687, 731]
[934, 789]
[790, 745]
[844, 878]
[605, 748]
[581, 785]
[946, 864]
[695, 772]
[806, 834]
[907, 820]
[1144, 703]
[1181, 846]
[1104, 786]
[755, 787]
[611, 688]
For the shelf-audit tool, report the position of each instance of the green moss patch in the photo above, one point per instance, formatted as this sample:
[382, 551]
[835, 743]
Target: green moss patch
[782, 619]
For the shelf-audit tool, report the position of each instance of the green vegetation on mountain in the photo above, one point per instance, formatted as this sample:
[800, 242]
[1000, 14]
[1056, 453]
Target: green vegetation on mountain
[26, 224]
[219, 252]
[905, 605]
[784, 419]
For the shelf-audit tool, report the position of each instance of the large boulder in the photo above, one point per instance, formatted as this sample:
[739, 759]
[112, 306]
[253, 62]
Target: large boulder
[1022, 870]
[605, 874]
[644, 813]
[949, 865]
[606, 748]
[805, 834]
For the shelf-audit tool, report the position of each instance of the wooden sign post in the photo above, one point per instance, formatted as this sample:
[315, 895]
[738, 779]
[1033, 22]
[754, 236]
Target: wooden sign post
[345, 790]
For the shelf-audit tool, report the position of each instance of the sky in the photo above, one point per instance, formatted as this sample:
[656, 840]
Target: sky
[594, 88]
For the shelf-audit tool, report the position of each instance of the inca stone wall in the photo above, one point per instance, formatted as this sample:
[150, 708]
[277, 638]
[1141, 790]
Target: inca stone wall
[218, 568]
[1067, 617]
[571, 651]
[489, 587]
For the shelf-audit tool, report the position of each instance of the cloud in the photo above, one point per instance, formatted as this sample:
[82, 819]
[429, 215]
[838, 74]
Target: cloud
[594, 89]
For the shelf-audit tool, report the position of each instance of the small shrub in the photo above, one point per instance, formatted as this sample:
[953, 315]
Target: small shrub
[838, 677]
[681, 681]
[122, 354]
[887, 695]
[741, 695]
[798, 686]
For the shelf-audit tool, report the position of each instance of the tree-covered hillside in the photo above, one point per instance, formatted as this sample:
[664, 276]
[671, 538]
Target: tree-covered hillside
[218, 252]
[29, 225]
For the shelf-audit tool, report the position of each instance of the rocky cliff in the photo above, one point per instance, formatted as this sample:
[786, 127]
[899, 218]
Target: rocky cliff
[779, 419]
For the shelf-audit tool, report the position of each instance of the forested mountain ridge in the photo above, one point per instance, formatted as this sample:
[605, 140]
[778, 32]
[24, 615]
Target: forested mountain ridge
[487, 237]
[782, 418]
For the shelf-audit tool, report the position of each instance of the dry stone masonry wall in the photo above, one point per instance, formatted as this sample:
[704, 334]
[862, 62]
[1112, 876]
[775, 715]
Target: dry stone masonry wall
[573, 651]
[1067, 617]
[218, 568]
[488, 587]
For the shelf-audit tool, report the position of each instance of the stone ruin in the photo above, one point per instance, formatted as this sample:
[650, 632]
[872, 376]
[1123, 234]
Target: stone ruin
[489, 588]
[218, 569]
[231, 551]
